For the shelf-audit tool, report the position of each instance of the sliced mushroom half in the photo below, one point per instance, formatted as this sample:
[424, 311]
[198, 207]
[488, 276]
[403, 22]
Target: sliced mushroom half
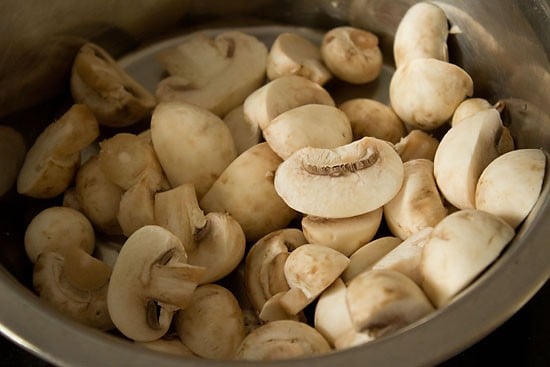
[416, 145]
[245, 133]
[342, 182]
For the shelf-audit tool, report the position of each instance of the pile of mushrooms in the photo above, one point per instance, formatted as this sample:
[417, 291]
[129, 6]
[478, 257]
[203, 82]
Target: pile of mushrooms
[256, 219]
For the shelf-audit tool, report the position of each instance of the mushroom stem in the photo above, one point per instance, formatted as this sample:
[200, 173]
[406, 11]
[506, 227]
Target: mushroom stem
[83, 271]
[173, 284]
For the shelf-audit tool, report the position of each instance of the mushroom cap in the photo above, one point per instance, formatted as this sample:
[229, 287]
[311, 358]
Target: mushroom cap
[136, 208]
[312, 125]
[56, 229]
[12, 155]
[332, 317]
[469, 107]
[342, 182]
[417, 145]
[244, 132]
[510, 185]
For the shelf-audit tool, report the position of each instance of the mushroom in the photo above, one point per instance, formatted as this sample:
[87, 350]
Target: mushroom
[510, 185]
[459, 248]
[98, 197]
[115, 98]
[54, 157]
[280, 95]
[292, 54]
[212, 325]
[312, 125]
[463, 153]
[245, 190]
[422, 33]
[439, 88]
[416, 145]
[215, 74]
[12, 155]
[372, 118]
[369, 254]
[352, 54]
[192, 144]
[418, 203]
[136, 207]
[215, 241]
[383, 301]
[283, 339]
[149, 283]
[70, 199]
[309, 270]
[75, 284]
[342, 182]
[57, 229]
[344, 234]
[273, 310]
[172, 346]
[245, 133]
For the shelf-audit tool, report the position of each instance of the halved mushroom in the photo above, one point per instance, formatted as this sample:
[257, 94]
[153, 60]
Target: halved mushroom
[192, 144]
[282, 339]
[416, 145]
[245, 190]
[309, 270]
[369, 254]
[292, 54]
[75, 284]
[280, 95]
[54, 157]
[418, 203]
[115, 98]
[136, 207]
[345, 235]
[352, 54]
[273, 310]
[460, 247]
[383, 301]
[245, 133]
[422, 33]
[511, 196]
[12, 155]
[149, 283]
[212, 325]
[215, 74]
[463, 153]
[57, 229]
[98, 197]
[215, 241]
[439, 88]
[168, 345]
[342, 182]
[312, 125]
[372, 118]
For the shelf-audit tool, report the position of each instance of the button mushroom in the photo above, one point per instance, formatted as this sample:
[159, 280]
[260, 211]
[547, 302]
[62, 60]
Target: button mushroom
[149, 283]
[417, 145]
[342, 182]
[115, 98]
[54, 157]
[215, 74]
[12, 155]
[244, 132]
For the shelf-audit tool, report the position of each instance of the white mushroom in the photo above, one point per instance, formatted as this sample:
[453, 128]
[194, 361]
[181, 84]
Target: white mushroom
[312, 125]
[245, 133]
[280, 95]
[149, 283]
[245, 190]
[212, 325]
[192, 144]
[416, 145]
[418, 204]
[460, 247]
[215, 74]
[438, 87]
[292, 54]
[344, 234]
[372, 118]
[463, 154]
[342, 182]
[57, 229]
[136, 208]
[282, 339]
[54, 157]
[510, 185]
[12, 155]
[352, 54]
[422, 33]
[115, 98]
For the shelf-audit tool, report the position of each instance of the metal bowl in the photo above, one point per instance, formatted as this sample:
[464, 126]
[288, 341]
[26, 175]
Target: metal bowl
[504, 45]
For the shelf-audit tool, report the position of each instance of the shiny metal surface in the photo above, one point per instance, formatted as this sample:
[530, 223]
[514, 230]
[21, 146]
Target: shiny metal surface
[503, 44]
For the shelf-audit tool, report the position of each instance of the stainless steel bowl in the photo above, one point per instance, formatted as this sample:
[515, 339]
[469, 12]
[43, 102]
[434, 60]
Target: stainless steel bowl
[503, 44]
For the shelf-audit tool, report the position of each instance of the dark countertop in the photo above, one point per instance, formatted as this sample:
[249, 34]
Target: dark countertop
[521, 341]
